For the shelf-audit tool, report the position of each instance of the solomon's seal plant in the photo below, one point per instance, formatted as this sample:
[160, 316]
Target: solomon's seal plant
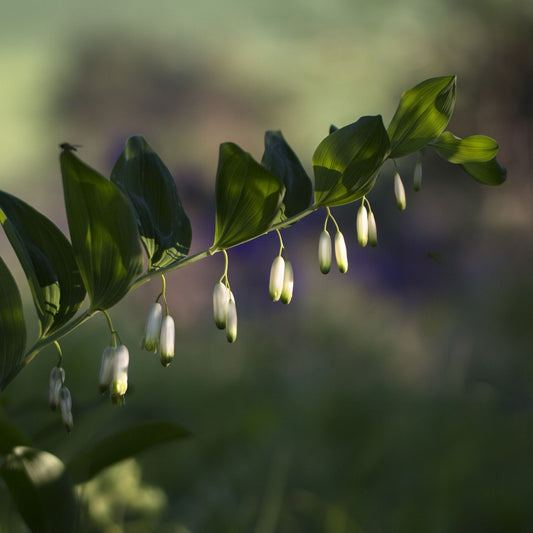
[131, 228]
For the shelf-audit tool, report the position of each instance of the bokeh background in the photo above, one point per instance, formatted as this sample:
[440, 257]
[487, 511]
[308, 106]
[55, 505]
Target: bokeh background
[395, 398]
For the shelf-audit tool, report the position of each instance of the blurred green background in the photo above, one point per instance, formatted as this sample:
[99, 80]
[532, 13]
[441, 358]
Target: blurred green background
[395, 398]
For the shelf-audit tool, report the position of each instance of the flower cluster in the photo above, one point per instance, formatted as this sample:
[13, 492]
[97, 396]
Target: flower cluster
[159, 333]
[113, 377]
[225, 310]
[281, 283]
[59, 396]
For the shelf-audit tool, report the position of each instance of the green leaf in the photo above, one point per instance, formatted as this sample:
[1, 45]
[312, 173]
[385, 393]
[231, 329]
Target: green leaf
[103, 231]
[12, 327]
[41, 489]
[422, 114]
[488, 173]
[122, 445]
[347, 162]
[163, 225]
[248, 197]
[48, 262]
[473, 149]
[280, 159]
[12, 436]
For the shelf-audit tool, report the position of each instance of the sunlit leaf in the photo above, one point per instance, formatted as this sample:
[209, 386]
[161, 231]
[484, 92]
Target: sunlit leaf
[12, 327]
[103, 231]
[473, 149]
[248, 197]
[488, 173]
[41, 489]
[163, 225]
[48, 262]
[422, 114]
[281, 160]
[122, 445]
[347, 162]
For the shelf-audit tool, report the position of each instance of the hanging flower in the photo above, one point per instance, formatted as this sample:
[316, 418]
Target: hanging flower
[417, 176]
[57, 378]
[372, 230]
[362, 225]
[341, 255]
[324, 252]
[220, 304]
[65, 404]
[106, 369]
[166, 342]
[152, 329]
[399, 192]
[231, 319]
[288, 283]
[121, 360]
[277, 272]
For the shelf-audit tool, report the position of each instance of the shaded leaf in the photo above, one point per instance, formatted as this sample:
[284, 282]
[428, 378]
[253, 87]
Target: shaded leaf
[103, 231]
[127, 443]
[473, 149]
[347, 162]
[12, 436]
[281, 160]
[248, 197]
[41, 489]
[163, 225]
[12, 327]
[48, 262]
[422, 114]
[488, 173]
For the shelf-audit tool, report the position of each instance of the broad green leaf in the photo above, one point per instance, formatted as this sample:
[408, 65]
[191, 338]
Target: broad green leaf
[422, 114]
[41, 489]
[280, 159]
[163, 225]
[103, 231]
[488, 173]
[248, 197]
[473, 149]
[122, 445]
[12, 436]
[48, 262]
[347, 162]
[12, 327]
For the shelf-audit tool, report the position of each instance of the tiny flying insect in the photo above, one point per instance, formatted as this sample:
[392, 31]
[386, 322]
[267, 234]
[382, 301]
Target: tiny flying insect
[68, 146]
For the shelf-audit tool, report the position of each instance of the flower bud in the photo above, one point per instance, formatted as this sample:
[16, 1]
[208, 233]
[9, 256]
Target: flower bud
[220, 304]
[372, 230]
[166, 343]
[231, 319]
[362, 225]
[417, 176]
[121, 360]
[65, 403]
[399, 192]
[106, 369]
[324, 252]
[153, 327]
[341, 255]
[57, 377]
[277, 272]
[288, 283]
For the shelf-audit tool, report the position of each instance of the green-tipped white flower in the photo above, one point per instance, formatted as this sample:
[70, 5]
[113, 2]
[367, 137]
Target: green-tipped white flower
[121, 361]
[288, 283]
[399, 192]
[362, 225]
[220, 304]
[341, 255]
[106, 370]
[152, 328]
[324, 252]
[65, 404]
[231, 319]
[57, 377]
[417, 176]
[372, 230]
[277, 272]
[166, 343]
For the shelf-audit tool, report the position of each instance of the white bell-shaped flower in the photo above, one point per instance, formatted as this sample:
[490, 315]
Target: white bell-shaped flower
[288, 283]
[341, 255]
[399, 192]
[372, 230]
[152, 328]
[277, 272]
[166, 342]
[324, 252]
[106, 369]
[65, 404]
[220, 304]
[57, 378]
[362, 225]
[231, 319]
[121, 361]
